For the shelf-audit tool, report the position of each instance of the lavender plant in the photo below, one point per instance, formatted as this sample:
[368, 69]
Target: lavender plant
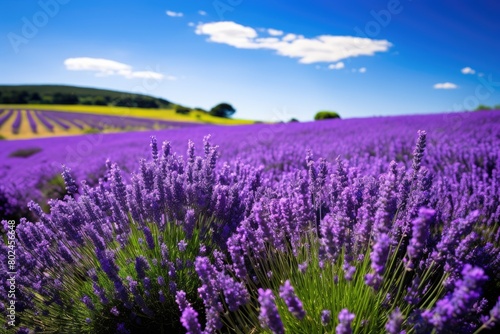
[357, 243]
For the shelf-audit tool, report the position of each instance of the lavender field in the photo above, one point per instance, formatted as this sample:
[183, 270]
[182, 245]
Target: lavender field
[372, 225]
[22, 124]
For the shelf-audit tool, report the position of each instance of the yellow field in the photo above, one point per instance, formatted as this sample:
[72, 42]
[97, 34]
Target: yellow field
[162, 114]
[78, 126]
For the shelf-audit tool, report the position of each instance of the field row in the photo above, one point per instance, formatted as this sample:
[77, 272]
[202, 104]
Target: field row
[18, 124]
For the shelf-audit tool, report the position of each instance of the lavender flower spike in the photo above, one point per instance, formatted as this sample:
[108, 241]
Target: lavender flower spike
[269, 316]
[393, 325]
[345, 319]
[292, 301]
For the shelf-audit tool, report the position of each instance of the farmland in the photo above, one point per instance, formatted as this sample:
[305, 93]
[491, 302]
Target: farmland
[16, 123]
[371, 224]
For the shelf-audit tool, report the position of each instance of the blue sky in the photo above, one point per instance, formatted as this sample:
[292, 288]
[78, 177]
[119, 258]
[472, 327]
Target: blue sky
[270, 59]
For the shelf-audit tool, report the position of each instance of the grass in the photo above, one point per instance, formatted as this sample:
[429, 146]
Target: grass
[194, 116]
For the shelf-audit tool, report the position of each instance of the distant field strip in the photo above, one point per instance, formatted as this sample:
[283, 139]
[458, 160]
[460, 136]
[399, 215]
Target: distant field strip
[23, 124]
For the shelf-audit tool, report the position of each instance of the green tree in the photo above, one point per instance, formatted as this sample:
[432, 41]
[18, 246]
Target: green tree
[321, 115]
[482, 107]
[182, 110]
[222, 110]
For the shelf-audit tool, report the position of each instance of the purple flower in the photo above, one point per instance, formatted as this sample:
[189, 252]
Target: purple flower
[141, 265]
[449, 309]
[88, 302]
[345, 319]
[182, 245]
[378, 258]
[393, 325]
[149, 237]
[114, 311]
[420, 234]
[325, 317]
[121, 329]
[269, 316]
[189, 320]
[293, 303]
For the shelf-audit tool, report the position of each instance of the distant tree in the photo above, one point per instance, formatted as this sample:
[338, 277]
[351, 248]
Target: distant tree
[482, 107]
[65, 98]
[35, 97]
[200, 109]
[100, 101]
[321, 115]
[182, 110]
[293, 120]
[497, 107]
[222, 110]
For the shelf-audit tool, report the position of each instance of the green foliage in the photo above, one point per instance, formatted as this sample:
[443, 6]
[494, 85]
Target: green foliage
[325, 287]
[71, 315]
[2, 137]
[182, 110]
[91, 131]
[482, 107]
[223, 110]
[54, 94]
[321, 115]
[54, 188]
[25, 152]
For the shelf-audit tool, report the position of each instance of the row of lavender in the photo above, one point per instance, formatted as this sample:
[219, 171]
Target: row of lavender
[67, 120]
[377, 234]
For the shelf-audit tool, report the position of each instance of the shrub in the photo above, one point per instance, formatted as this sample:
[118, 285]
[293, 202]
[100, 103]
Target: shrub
[321, 115]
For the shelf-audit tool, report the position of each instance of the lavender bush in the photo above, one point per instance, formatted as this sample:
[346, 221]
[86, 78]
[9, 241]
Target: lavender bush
[398, 234]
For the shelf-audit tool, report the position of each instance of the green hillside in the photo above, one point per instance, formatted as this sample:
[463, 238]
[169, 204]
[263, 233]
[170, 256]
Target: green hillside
[68, 95]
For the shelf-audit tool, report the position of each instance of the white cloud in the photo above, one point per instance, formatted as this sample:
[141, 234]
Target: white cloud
[468, 70]
[289, 37]
[174, 14]
[445, 85]
[105, 67]
[362, 70]
[337, 66]
[274, 32]
[191, 24]
[325, 48]
[202, 12]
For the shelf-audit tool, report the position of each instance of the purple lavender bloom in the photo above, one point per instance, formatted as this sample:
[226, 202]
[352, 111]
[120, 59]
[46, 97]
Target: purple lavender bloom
[71, 185]
[114, 311]
[393, 325]
[189, 223]
[345, 319]
[326, 316]
[182, 245]
[141, 265]
[420, 234]
[189, 320]
[88, 302]
[235, 293]
[149, 237]
[449, 309]
[269, 316]
[293, 303]
[161, 281]
[378, 258]
[121, 329]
